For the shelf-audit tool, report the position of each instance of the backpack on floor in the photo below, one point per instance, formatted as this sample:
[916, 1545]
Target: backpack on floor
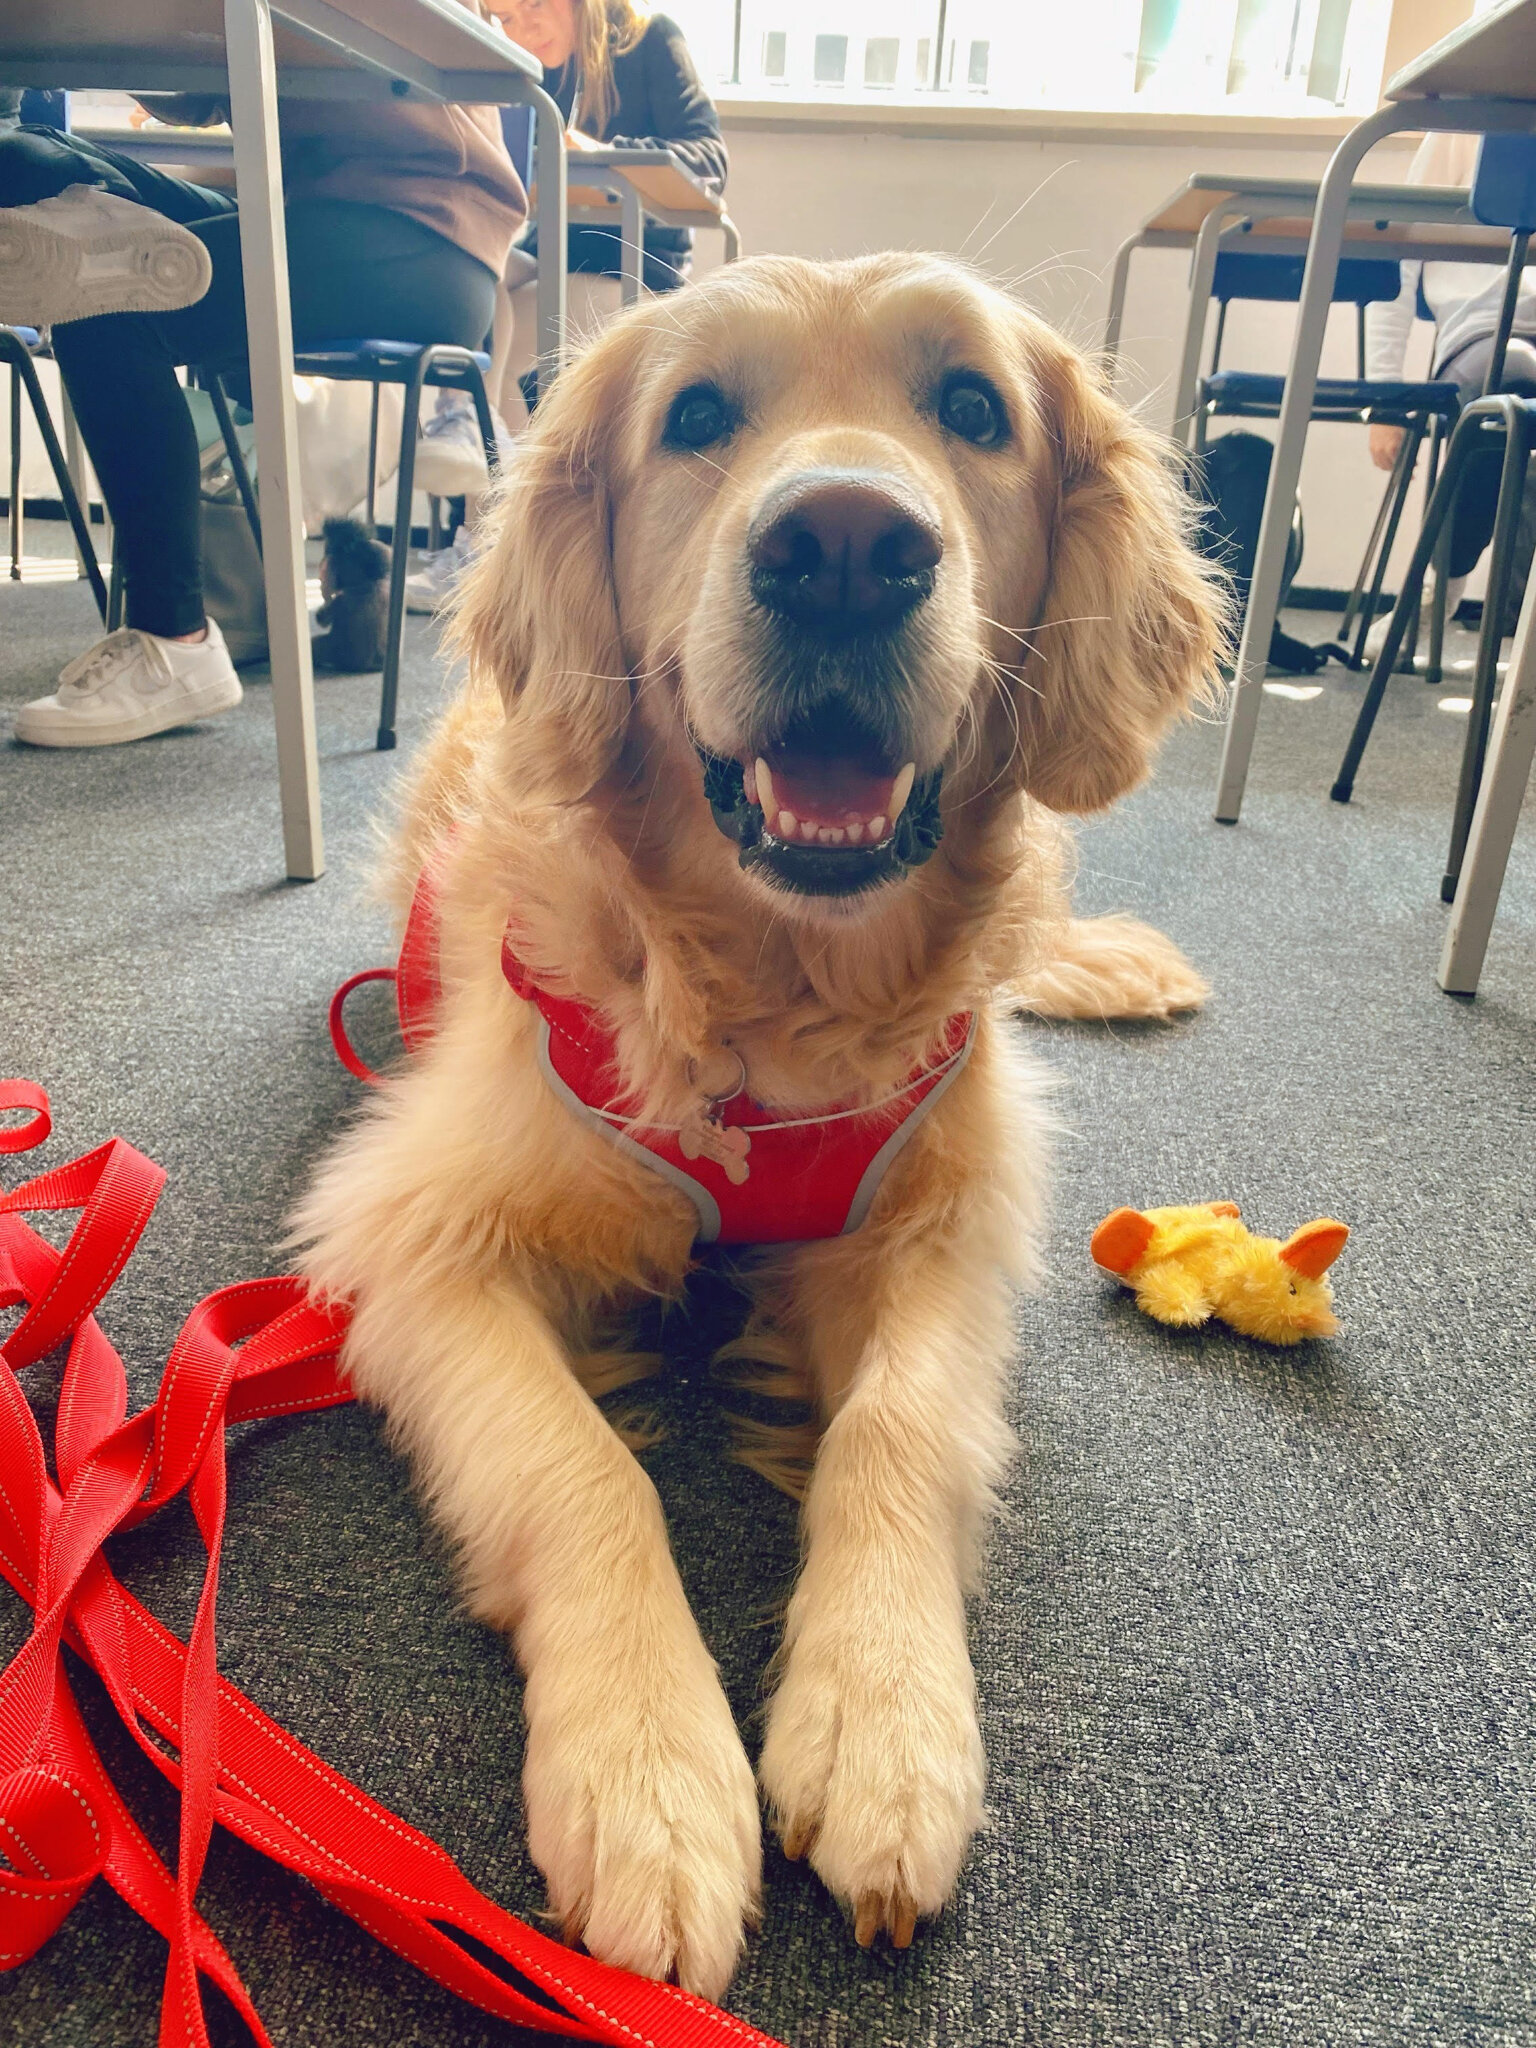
[1229, 480]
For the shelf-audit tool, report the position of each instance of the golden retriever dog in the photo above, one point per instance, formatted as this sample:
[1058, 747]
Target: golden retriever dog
[813, 593]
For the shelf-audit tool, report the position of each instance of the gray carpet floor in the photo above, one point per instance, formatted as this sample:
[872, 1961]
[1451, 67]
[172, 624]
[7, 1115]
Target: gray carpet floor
[1256, 1657]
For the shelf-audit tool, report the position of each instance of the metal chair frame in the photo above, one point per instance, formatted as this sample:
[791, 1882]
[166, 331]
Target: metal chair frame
[430, 364]
[1378, 548]
[15, 351]
[1515, 419]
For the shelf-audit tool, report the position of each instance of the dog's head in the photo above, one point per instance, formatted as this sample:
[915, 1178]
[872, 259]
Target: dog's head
[850, 547]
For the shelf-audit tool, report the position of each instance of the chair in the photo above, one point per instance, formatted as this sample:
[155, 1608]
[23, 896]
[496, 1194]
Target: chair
[1245, 394]
[17, 348]
[1503, 195]
[416, 366]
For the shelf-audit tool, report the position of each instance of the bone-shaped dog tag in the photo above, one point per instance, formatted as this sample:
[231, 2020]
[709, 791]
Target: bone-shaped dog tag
[702, 1135]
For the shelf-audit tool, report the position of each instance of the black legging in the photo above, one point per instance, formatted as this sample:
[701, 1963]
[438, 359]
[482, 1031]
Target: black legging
[354, 271]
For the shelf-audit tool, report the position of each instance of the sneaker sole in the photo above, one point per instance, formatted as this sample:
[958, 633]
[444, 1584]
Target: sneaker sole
[207, 702]
[50, 279]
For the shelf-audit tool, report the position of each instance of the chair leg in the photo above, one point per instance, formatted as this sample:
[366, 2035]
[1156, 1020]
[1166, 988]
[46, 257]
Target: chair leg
[486, 423]
[74, 462]
[1519, 427]
[24, 371]
[17, 535]
[1438, 444]
[236, 454]
[400, 553]
[1436, 516]
[1434, 667]
[1396, 498]
[115, 593]
[373, 463]
[1352, 604]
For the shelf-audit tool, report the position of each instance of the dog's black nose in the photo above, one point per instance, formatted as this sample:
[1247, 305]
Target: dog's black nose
[843, 551]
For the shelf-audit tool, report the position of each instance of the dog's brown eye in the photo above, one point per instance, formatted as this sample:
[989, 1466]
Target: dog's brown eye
[699, 417]
[969, 407]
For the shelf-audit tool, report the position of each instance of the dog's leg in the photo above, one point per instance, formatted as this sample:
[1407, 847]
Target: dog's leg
[873, 1760]
[641, 1807]
[1112, 968]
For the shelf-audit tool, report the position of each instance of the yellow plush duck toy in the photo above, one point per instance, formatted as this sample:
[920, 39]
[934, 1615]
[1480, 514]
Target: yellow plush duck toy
[1187, 1265]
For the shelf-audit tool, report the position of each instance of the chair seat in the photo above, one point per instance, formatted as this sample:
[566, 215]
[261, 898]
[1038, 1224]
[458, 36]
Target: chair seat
[1255, 395]
[27, 336]
[377, 362]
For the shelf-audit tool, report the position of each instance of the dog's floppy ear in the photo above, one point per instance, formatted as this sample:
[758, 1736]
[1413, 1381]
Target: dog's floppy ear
[1132, 623]
[538, 616]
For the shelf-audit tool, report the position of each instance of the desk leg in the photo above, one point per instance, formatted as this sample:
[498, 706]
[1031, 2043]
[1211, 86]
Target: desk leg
[631, 245]
[1499, 798]
[1202, 275]
[1290, 439]
[1119, 278]
[553, 221]
[269, 330]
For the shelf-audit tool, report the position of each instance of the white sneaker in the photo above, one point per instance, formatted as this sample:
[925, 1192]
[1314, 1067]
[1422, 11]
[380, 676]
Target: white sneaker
[130, 685]
[450, 456]
[88, 252]
[429, 588]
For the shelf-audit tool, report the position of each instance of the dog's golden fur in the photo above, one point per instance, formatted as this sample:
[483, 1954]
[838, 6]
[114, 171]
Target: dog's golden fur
[488, 1241]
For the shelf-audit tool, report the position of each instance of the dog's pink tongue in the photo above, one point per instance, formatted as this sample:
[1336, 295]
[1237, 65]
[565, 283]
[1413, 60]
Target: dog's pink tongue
[831, 792]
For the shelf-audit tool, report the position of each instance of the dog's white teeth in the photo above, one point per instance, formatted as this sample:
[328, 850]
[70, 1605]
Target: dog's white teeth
[876, 831]
[855, 833]
[808, 831]
[762, 792]
[902, 789]
[785, 828]
[831, 835]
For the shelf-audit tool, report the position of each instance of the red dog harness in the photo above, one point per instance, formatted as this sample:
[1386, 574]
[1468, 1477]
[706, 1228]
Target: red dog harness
[754, 1175]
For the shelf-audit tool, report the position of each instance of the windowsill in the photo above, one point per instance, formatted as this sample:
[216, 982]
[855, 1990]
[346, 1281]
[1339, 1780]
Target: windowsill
[968, 118]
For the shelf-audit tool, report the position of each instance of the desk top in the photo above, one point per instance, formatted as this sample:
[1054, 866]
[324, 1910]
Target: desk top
[664, 183]
[327, 48]
[1493, 57]
[1185, 210]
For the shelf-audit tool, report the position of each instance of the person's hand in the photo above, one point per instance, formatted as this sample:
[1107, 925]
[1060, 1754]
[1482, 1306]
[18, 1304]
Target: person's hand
[1384, 444]
[576, 141]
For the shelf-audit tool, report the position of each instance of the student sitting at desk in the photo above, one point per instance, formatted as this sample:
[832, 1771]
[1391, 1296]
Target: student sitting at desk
[621, 79]
[1464, 299]
[399, 214]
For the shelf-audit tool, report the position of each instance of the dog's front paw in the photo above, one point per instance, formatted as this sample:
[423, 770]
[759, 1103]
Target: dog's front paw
[643, 1817]
[873, 1764]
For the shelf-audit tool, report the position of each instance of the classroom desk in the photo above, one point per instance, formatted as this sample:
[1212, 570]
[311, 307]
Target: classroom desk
[639, 185]
[1273, 217]
[248, 51]
[1480, 80]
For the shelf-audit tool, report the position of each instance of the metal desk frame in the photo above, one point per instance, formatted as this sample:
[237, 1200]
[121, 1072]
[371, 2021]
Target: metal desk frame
[604, 170]
[1514, 735]
[246, 73]
[1237, 221]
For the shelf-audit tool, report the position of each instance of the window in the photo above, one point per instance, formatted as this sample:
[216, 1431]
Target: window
[1174, 56]
[880, 58]
[831, 59]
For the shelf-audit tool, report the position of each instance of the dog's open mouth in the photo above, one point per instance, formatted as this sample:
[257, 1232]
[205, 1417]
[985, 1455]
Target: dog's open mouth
[821, 811]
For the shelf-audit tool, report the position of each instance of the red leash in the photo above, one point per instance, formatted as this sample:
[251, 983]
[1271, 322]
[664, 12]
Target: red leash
[248, 1352]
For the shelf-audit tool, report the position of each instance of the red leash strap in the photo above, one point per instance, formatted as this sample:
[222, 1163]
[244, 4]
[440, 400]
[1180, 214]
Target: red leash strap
[248, 1352]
